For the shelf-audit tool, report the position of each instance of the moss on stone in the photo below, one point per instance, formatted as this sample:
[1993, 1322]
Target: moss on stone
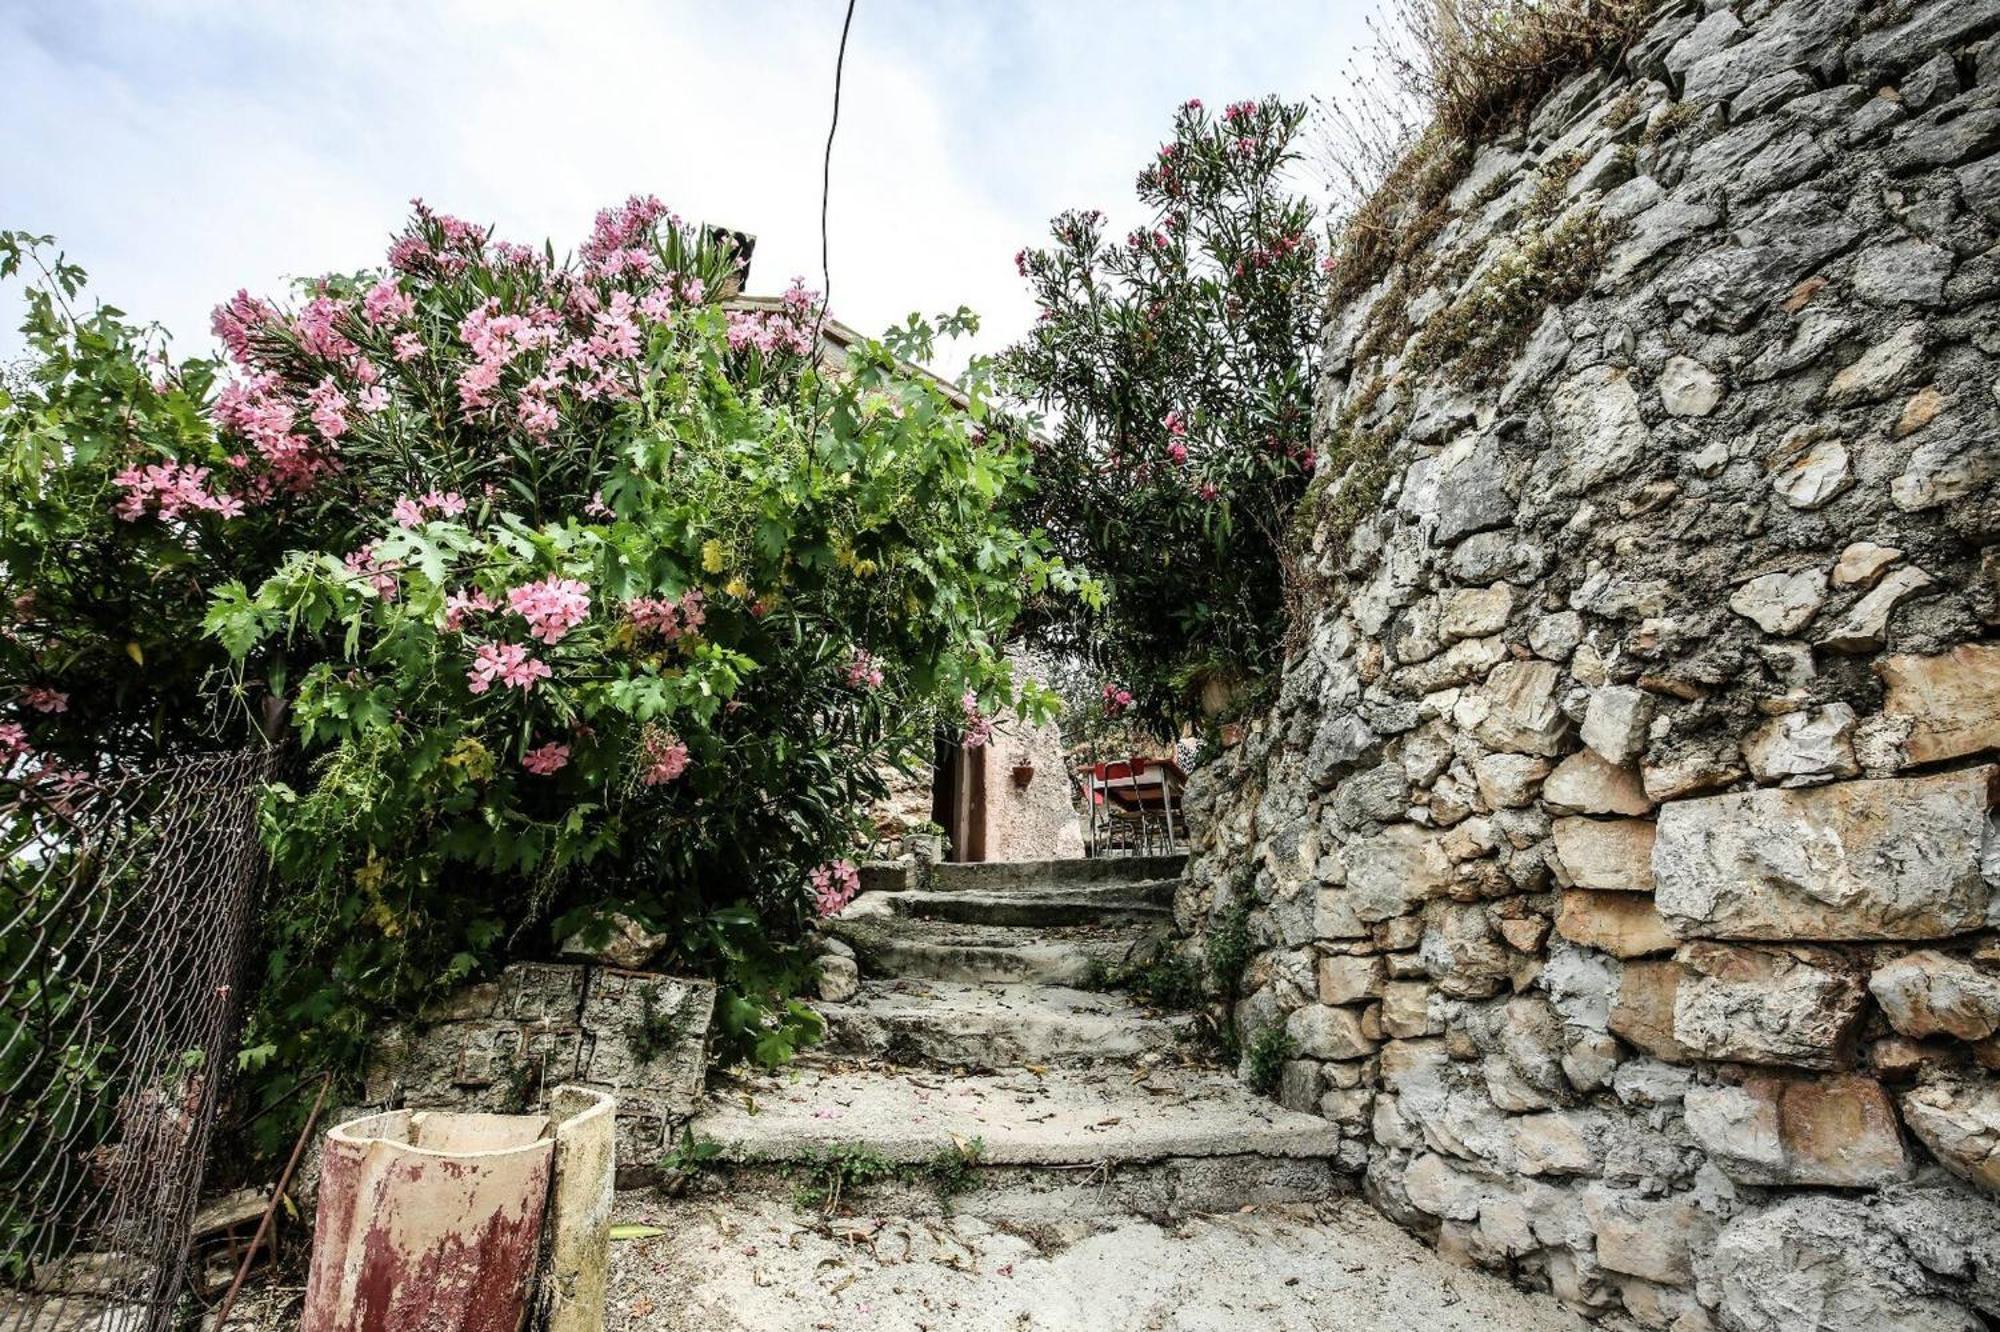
[1479, 332]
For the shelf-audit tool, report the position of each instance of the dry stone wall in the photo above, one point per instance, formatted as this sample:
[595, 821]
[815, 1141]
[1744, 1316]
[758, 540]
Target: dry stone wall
[1620, 853]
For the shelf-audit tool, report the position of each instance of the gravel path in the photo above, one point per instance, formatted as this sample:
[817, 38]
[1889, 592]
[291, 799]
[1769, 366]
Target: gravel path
[761, 1265]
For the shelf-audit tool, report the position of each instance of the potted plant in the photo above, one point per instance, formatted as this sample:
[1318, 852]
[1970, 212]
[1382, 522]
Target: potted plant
[925, 842]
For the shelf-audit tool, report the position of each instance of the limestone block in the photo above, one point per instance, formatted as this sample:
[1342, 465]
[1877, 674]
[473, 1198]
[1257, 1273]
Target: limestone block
[1345, 979]
[1299, 1084]
[1688, 388]
[1642, 1011]
[1815, 477]
[1930, 994]
[1352, 1108]
[1321, 1031]
[1822, 1261]
[1596, 428]
[1952, 701]
[1463, 953]
[1394, 871]
[616, 940]
[1781, 603]
[1406, 1010]
[1895, 858]
[1474, 612]
[839, 978]
[1615, 722]
[1516, 709]
[1509, 781]
[1584, 783]
[1838, 1131]
[1605, 853]
[1436, 1186]
[1621, 924]
[1889, 365]
[1865, 627]
[1648, 1239]
[1556, 1142]
[1960, 1122]
[1862, 563]
[1817, 742]
[1762, 1005]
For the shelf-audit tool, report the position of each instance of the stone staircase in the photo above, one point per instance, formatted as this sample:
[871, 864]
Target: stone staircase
[976, 1023]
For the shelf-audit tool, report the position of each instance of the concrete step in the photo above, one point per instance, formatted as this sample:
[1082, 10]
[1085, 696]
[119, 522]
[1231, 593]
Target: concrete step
[1084, 904]
[889, 944]
[997, 1026]
[1006, 875]
[1180, 1138]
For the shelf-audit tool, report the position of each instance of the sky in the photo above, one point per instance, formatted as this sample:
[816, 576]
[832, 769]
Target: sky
[181, 149]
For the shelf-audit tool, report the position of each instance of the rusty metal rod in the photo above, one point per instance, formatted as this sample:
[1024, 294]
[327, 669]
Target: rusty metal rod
[271, 1207]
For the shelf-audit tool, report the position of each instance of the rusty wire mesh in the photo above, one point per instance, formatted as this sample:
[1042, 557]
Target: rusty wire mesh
[125, 905]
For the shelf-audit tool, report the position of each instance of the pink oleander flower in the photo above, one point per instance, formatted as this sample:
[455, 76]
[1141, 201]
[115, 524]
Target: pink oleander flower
[409, 253]
[834, 885]
[1116, 700]
[1207, 490]
[13, 742]
[168, 490]
[552, 607]
[506, 664]
[1178, 452]
[329, 408]
[1175, 424]
[621, 231]
[318, 332]
[662, 757]
[1237, 112]
[407, 512]
[386, 303]
[407, 346]
[668, 618]
[1191, 104]
[978, 726]
[538, 416]
[379, 574]
[445, 503]
[546, 759]
[458, 605]
[42, 699]
[234, 320]
[373, 399]
[595, 507]
[864, 671]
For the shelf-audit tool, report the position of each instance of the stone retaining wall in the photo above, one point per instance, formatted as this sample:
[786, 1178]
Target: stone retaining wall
[1620, 851]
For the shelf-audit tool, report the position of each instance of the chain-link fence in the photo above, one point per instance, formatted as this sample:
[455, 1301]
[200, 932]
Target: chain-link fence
[124, 909]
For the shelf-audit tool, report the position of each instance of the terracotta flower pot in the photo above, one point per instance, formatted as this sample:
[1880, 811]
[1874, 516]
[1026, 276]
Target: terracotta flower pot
[1023, 774]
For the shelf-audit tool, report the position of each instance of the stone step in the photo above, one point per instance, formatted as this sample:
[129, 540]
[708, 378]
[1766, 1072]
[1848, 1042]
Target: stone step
[890, 944]
[1179, 1138]
[1006, 875]
[1085, 904]
[996, 1026]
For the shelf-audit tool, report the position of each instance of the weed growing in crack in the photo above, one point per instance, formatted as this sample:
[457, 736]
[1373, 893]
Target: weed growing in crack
[834, 1173]
[1269, 1050]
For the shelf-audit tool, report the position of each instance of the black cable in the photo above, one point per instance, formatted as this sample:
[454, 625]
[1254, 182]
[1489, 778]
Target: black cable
[826, 182]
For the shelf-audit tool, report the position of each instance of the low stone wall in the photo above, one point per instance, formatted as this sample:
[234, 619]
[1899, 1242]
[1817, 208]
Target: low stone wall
[1620, 853]
[498, 1045]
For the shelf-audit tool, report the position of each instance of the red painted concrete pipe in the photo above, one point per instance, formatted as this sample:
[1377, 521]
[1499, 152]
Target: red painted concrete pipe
[429, 1222]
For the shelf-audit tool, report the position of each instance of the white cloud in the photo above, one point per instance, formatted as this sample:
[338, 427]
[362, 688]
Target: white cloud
[181, 150]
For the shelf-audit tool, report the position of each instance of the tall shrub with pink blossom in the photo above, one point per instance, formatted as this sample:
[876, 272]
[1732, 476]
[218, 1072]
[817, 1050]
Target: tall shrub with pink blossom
[557, 570]
[1180, 364]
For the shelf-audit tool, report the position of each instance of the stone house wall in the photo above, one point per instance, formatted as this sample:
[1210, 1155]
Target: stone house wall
[1620, 851]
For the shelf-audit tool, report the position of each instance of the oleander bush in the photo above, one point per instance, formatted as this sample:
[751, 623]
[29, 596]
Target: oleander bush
[575, 588]
[1176, 369]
